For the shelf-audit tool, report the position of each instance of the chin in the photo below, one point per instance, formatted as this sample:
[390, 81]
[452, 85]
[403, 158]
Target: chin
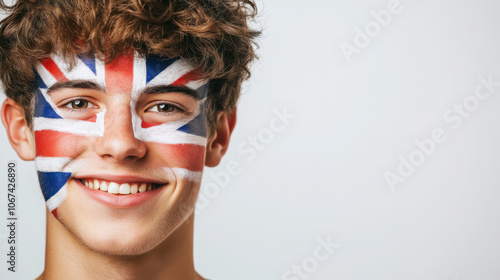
[116, 246]
[109, 237]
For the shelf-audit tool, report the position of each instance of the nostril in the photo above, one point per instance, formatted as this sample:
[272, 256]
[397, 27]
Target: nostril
[120, 147]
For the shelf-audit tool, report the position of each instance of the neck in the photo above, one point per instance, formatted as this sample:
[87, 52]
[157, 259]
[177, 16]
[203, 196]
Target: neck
[67, 258]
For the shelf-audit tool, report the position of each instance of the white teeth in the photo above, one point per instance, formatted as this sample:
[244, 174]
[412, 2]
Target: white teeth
[134, 188]
[113, 188]
[124, 189]
[103, 186]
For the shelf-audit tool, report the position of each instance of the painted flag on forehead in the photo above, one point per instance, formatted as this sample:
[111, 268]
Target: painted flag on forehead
[57, 137]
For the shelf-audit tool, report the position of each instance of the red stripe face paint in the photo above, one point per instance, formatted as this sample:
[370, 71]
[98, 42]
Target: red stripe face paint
[119, 74]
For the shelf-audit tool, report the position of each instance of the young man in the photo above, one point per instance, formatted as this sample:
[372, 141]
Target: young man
[121, 104]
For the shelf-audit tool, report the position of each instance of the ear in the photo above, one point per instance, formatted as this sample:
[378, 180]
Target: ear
[218, 143]
[20, 136]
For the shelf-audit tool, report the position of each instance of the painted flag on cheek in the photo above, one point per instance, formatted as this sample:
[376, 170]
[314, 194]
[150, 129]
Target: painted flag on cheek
[59, 141]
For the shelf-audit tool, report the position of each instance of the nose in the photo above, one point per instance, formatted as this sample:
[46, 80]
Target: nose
[119, 142]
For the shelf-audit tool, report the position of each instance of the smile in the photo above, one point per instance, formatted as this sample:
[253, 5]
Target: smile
[119, 188]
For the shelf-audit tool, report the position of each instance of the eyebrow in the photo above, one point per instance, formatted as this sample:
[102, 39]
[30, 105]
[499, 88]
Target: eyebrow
[166, 89]
[85, 84]
[81, 84]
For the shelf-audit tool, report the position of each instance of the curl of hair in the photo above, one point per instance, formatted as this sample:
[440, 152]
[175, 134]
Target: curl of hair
[212, 34]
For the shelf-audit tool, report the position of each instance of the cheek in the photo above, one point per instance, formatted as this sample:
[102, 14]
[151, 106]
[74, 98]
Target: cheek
[181, 149]
[51, 143]
[54, 151]
[185, 156]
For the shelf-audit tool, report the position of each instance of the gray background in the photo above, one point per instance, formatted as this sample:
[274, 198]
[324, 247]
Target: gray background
[323, 173]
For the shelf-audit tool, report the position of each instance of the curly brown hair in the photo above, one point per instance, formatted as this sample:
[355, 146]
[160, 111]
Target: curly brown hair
[212, 34]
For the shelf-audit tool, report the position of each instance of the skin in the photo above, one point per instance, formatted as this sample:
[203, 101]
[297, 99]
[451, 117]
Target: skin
[90, 240]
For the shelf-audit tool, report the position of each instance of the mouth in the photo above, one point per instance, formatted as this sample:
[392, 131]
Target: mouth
[119, 188]
[121, 192]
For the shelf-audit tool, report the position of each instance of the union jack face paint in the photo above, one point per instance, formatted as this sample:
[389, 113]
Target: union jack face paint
[61, 140]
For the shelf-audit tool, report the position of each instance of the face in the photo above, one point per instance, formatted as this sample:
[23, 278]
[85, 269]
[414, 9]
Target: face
[120, 147]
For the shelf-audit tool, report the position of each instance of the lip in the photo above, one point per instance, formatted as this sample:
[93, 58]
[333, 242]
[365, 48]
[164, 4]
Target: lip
[121, 179]
[119, 200]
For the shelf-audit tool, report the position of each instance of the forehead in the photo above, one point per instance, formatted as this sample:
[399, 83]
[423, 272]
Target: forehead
[127, 73]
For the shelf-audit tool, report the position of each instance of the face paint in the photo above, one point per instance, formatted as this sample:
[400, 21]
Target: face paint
[61, 141]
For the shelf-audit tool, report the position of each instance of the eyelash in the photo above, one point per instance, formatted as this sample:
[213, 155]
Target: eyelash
[68, 103]
[175, 108]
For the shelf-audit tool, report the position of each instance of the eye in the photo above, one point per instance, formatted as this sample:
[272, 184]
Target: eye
[79, 104]
[168, 107]
[163, 108]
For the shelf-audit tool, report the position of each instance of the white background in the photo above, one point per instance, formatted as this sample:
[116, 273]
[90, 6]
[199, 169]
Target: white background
[323, 173]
